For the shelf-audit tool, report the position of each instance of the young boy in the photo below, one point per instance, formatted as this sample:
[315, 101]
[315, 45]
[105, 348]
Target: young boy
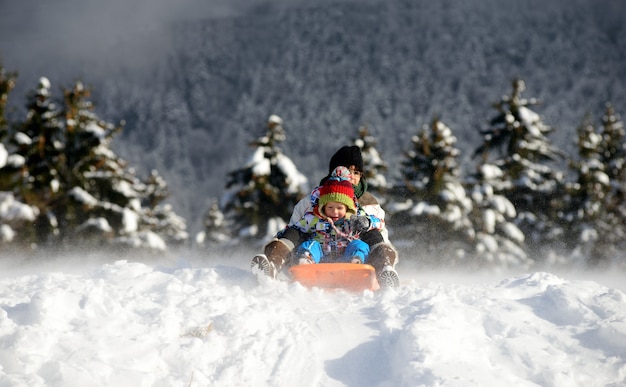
[334, 224]
[383, 256]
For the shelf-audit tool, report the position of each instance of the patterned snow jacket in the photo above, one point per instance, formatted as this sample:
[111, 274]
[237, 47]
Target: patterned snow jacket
[333, 237]
[367, 202]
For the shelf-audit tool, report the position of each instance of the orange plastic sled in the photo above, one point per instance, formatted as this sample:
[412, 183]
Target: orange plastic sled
[349, 276]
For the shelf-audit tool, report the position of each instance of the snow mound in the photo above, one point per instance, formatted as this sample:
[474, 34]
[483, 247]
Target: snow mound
[132, 324]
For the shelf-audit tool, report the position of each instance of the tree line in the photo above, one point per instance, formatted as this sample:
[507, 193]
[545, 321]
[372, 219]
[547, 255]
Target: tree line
[63, 188]
[524, 201]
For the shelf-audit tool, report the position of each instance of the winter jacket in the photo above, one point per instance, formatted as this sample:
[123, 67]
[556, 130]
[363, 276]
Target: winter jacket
[334, 238]
[367, 202]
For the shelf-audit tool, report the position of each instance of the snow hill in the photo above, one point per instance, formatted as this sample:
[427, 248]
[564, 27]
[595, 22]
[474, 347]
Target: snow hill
[182, 324]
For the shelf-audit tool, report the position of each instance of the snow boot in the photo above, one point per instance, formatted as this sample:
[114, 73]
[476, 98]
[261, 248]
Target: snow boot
[381, 255]
[260, 265]
[277, 252]
[388, 278]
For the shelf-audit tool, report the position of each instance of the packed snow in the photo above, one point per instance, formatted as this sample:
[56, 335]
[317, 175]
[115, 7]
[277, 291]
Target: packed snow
[209, 322]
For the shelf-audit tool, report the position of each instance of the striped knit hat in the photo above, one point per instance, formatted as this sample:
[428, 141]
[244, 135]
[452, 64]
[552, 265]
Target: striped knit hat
[337, 188]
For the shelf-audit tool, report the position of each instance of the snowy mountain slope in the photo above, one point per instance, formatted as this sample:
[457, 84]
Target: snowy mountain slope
[138, 324]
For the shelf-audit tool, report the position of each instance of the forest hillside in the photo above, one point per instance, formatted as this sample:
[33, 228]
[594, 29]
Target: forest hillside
[195, 89]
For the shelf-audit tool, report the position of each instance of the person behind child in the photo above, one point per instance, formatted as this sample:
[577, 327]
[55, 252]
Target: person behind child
[383, 256]
[335, 224]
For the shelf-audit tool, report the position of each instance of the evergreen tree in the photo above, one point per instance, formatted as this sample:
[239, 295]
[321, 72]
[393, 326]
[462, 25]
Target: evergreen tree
[10, 165]
[39, 140]
[7, 84]
[498, 240]
[160, 218]
[612, 241]
[214, 233]
[516, 143]
[614, 146]
[375, 167]
[262, 194]
[435, 207]
[585, 212]
[105, 200]
[85, 195]
[15, 216]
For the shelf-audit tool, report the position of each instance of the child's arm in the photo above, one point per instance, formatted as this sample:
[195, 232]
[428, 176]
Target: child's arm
[363, 222]
[307, 223]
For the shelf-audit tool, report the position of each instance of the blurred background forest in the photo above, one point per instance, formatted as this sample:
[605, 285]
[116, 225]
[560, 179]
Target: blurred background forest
[194, 83]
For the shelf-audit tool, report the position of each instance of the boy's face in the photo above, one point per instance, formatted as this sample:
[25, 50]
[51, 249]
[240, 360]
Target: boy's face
[335, 211]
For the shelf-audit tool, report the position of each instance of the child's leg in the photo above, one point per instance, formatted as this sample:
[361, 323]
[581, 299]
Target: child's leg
[356, 248]
[314, 248]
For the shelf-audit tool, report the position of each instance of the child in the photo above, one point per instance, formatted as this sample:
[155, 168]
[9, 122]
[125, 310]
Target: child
[334, 224]
[383, 256]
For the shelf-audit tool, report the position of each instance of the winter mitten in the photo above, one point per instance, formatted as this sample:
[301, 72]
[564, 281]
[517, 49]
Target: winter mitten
[359, 223]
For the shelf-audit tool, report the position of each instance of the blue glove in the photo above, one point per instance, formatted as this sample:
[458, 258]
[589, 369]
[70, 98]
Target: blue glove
[359, 223]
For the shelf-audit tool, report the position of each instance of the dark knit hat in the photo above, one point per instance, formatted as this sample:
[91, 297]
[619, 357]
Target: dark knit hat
[337, 188]
[345, 157]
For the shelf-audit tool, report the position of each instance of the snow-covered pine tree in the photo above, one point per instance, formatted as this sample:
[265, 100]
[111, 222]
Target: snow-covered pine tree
[260, 196]
[583, 216]
[9, 174]
[40, 141]
[375, 167]
[161, 218]
[85, 195]
[7, 84]
[516, 143]
[498, 240]
[431, 206]
[15, 217]
[614, 146]
[613, 236]
[105, 202]
[214, 233]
